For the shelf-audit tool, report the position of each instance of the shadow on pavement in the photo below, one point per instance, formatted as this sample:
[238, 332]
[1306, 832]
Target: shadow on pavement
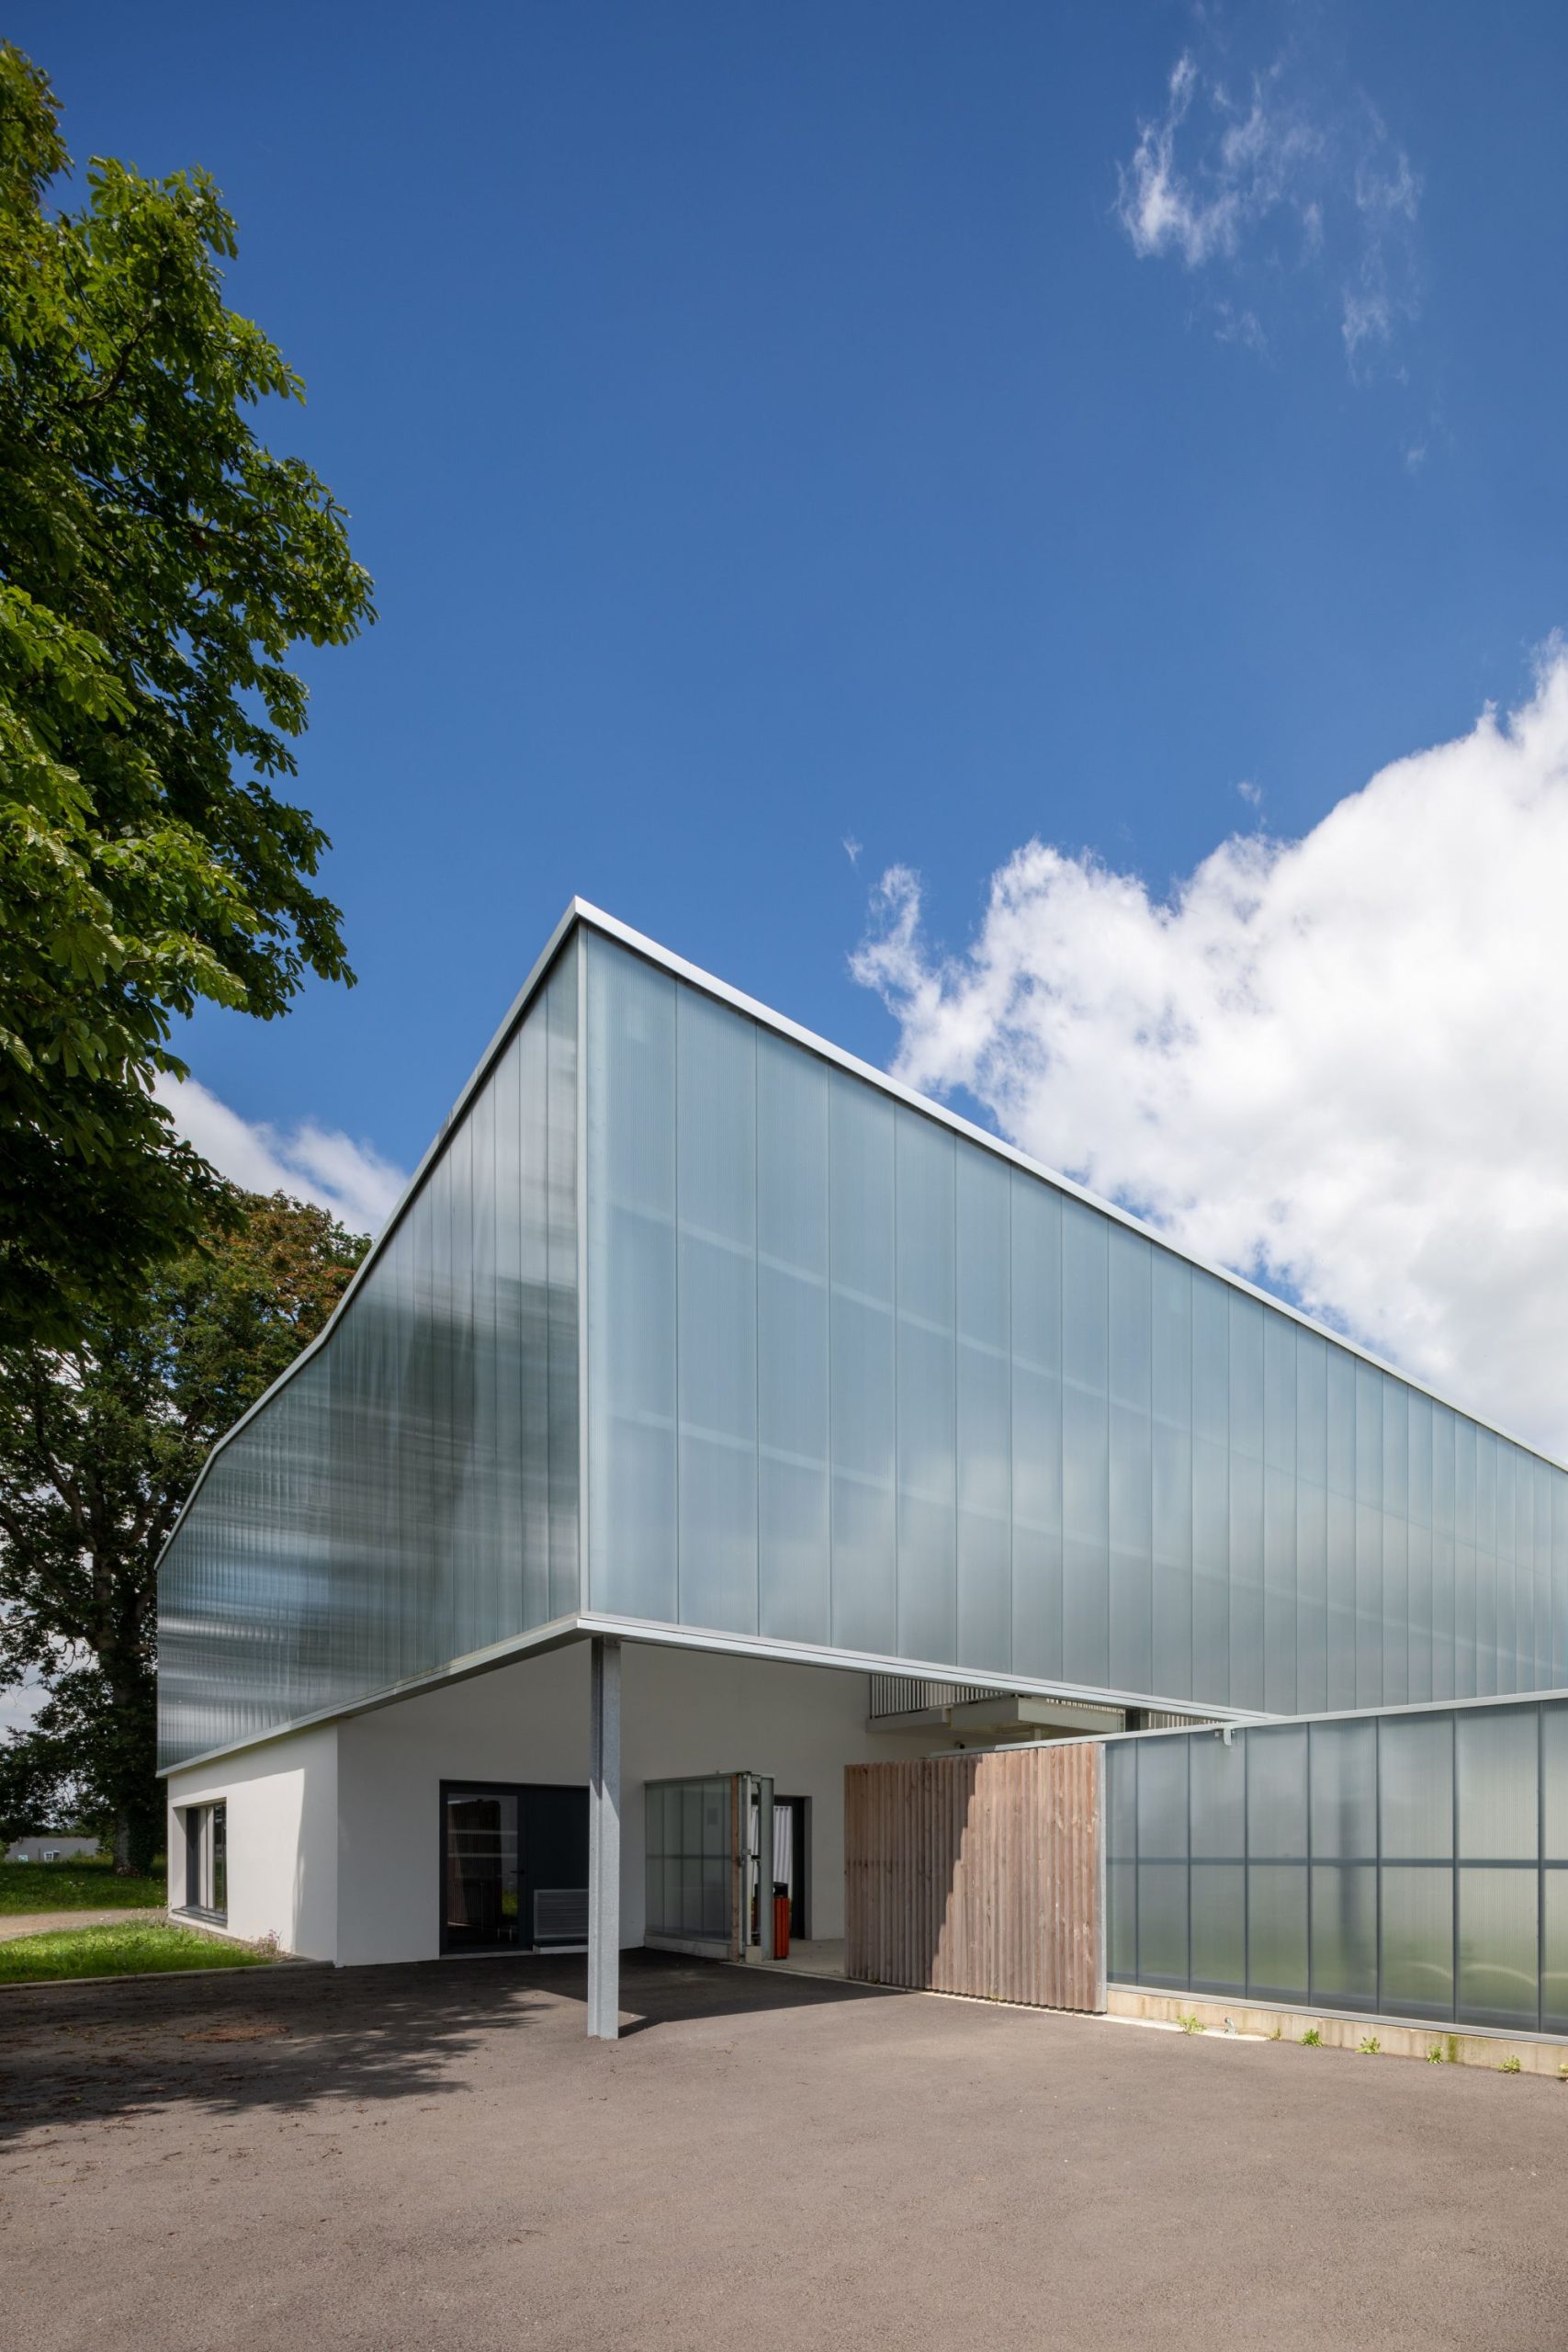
[659, 1988]
[292, 2036]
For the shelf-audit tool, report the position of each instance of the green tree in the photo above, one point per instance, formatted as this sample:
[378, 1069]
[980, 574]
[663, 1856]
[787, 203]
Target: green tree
[157, 565]
[99, 1446]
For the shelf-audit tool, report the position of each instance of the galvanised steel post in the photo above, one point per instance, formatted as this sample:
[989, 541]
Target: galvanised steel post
[605, 1840]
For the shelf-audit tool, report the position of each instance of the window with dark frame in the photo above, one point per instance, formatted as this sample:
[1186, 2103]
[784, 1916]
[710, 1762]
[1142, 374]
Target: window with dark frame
[207, 1861]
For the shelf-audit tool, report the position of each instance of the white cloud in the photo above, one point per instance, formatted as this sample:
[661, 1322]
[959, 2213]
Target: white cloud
[1335, 1064]
[310, 1162]
[1213, 181]
[1248, 168]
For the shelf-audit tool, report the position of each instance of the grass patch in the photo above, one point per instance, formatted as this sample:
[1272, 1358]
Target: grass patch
[126, 1949]
[77, 1886]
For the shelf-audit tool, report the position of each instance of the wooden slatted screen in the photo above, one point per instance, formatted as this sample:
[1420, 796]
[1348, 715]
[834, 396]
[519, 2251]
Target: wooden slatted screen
[978, 1874]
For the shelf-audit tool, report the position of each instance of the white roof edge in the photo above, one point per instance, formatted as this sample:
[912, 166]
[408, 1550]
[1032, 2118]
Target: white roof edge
[582, 911]
[515, 1650]
[1215, 1729]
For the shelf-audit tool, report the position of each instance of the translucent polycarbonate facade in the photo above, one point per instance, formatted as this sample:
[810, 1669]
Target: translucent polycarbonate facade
[410, 1494]
[856, 1381]
[1410, 1865]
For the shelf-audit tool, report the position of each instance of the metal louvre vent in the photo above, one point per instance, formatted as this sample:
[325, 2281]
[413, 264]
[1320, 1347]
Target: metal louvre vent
[561, 1915]
[904, 1694]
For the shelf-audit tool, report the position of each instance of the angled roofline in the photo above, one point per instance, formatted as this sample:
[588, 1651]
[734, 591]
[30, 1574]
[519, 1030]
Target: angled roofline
[580, 913]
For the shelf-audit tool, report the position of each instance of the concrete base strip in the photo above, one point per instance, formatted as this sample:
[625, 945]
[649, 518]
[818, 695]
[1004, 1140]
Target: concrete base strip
[1395, 2039]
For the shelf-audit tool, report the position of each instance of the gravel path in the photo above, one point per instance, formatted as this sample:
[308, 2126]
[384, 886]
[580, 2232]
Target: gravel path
[44, 1923]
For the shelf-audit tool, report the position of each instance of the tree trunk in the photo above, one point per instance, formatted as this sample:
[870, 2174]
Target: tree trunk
[135, 1791]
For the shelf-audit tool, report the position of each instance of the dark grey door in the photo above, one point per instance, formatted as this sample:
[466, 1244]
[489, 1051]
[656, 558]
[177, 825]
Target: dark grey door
[513, 1866]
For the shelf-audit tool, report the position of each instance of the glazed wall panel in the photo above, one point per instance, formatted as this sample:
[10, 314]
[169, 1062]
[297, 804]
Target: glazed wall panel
[1415, 1865]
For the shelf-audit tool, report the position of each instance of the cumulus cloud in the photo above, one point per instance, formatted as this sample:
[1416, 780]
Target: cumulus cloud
[1293, 181]
[309, 1162]
[1336, 1065]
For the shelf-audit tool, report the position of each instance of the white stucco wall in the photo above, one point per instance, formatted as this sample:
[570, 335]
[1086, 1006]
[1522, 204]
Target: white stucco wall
[282, 1839]
[682, 1711]
[528, 1722]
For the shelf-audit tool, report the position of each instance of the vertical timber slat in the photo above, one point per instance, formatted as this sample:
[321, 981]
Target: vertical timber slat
[978, 1874]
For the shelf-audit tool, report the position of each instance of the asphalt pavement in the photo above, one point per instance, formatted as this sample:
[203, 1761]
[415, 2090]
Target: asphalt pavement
[437, 2158]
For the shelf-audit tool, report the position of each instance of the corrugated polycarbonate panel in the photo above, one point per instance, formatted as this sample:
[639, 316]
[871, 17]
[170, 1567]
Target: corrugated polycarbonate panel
[1218, 1770]
[1162, 1801]
[1277, 1796]
[852, 1382]
[1344, 1794]
[1416, 1780]
[855, 1382]
[410, 1494]
[792, 1524]
[1277, 1931]
[1345, 1935]
[1499, 1798]
[1219, 1928]
[1412, 1865]
[1498, 1931]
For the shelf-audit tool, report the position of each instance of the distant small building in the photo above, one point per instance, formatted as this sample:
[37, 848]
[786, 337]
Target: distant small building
[50, 1846]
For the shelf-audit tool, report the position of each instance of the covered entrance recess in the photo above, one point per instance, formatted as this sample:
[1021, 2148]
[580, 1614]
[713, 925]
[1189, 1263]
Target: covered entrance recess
[514, 1867]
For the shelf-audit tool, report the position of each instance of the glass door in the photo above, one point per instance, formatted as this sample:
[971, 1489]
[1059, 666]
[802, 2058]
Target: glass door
[478, 1876]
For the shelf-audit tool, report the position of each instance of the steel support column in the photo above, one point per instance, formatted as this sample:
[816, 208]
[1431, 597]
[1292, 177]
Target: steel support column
[604, 1841]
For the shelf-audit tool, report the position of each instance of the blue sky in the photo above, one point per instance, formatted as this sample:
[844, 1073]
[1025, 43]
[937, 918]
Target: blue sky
[926, 427]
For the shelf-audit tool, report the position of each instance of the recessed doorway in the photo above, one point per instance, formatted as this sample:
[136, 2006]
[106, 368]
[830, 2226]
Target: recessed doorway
[792, 1860]
[514, 1867]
